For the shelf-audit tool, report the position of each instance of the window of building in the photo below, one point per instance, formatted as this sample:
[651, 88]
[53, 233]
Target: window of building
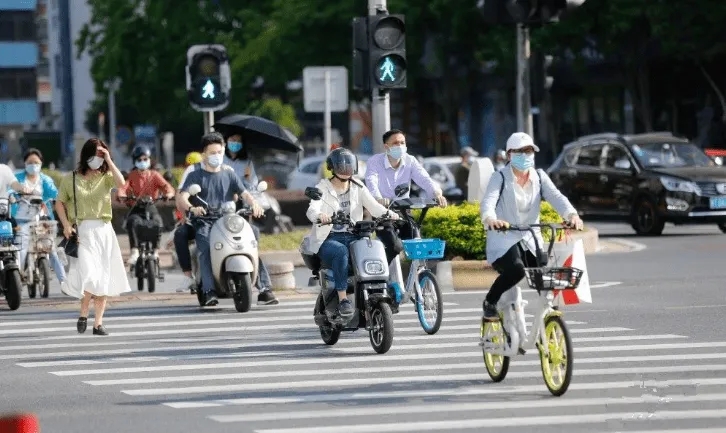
[58, 70]
[18, 84]
[18, 26]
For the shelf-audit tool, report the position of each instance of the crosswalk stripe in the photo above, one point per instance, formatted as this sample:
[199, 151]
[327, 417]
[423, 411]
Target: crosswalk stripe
[637, 386]
[466, 407]
[391, 369]
[229, 313]
[277, 386]
[369, 359]
[95, 344]
[319, 348]
[487, 423]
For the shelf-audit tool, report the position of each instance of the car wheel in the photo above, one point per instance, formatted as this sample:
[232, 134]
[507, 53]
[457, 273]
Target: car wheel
[722, 227]
[646, 220]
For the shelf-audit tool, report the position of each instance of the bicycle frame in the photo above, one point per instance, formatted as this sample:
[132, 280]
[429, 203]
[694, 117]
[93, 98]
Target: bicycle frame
[512, 306]
[417, 266]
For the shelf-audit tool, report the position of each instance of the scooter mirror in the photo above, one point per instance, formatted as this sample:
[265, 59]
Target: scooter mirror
[194, 189]
[313, 193]
[262, 186]
[401, 189]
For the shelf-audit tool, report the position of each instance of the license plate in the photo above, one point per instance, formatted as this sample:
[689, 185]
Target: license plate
[718, 202]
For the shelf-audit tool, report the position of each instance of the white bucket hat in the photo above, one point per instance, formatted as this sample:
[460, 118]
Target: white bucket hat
[520, 140]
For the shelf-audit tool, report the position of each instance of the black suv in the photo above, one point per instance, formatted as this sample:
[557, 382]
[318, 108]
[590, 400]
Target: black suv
[645, 179]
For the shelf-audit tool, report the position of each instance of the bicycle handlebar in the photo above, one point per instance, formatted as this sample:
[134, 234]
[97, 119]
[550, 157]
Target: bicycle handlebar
[530, 228]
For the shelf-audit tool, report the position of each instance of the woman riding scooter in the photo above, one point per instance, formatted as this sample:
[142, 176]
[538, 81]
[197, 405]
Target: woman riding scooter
[339, 193]
[143, 182]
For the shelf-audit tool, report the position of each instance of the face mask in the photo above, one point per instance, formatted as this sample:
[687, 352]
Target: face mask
[234, 146]
[397, 152]
[522, 161]
[94, 163]
[214, 160]
[142, 165]
[32, 168]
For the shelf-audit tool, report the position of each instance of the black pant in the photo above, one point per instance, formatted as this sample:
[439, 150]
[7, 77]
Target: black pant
[137, 216]
[511, 270]
[184, 234]
[391, 236]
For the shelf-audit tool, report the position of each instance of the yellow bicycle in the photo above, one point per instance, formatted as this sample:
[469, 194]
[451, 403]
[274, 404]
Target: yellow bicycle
[509, 337]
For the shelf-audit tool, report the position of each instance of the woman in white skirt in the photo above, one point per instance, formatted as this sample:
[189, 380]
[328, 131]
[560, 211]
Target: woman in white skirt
[99, 270]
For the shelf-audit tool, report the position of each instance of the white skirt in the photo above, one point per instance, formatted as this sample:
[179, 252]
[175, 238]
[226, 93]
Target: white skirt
[99, 268]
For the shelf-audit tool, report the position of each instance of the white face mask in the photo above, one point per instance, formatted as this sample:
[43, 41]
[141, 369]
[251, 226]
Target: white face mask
[94, 163]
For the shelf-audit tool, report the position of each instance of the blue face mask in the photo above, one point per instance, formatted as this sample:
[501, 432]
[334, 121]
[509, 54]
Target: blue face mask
[143, 165]
[522, 161]
[234, 146]
[32, 168]
[397, 152]
[214, 160]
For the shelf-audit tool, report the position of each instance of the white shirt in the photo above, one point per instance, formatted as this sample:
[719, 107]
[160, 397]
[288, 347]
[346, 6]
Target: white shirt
[524, 196]
[7, 178]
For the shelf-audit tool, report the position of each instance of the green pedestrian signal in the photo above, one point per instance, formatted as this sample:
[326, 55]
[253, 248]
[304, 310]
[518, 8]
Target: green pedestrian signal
[387, 51]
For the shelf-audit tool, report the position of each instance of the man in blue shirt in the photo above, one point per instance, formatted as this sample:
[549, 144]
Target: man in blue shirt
[218, 186]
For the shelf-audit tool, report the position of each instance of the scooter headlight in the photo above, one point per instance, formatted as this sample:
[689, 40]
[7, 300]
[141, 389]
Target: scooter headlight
[373, 267]
[234, 223]
[3, 208]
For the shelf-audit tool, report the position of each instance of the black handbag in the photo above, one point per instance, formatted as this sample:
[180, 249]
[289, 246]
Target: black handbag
[70, 245]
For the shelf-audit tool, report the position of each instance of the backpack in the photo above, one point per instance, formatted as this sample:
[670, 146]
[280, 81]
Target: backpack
[501, 188]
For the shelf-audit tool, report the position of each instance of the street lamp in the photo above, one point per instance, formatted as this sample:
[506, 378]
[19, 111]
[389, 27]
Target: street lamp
[112, 86]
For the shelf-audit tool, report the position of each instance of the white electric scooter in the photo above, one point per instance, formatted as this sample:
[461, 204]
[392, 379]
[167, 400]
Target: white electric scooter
[233, 249]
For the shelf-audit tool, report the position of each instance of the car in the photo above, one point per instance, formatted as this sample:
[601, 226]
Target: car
[645, 179]
[310, 172]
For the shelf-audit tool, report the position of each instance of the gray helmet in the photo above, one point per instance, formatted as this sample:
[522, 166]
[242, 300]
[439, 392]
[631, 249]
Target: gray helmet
[342, 161]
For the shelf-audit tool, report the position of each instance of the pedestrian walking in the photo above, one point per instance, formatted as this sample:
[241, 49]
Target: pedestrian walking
[84, 207]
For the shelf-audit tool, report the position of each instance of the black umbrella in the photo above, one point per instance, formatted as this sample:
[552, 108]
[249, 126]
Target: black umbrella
[258, 132]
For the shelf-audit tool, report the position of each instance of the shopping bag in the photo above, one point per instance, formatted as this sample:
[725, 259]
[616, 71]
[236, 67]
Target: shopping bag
[572, 255]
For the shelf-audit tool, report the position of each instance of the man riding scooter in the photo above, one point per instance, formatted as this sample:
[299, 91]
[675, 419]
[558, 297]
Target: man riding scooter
[217, 186]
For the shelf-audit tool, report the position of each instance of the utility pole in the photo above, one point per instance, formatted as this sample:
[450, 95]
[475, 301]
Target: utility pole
[112, 86]
[380, 100]
[524, 107]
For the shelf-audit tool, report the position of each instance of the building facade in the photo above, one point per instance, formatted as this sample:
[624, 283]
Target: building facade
[18, 73]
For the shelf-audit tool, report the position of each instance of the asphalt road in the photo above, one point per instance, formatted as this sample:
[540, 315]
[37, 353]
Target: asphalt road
[648, 356]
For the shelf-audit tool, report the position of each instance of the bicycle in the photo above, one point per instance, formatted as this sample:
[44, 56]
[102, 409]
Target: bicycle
[419, 250]
[509, 337]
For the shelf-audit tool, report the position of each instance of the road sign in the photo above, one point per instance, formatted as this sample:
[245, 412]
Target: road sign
[123, 135]
[314, 88]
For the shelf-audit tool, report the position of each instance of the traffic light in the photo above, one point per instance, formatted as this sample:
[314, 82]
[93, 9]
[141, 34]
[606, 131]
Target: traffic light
[530, 12]
[208, 77]
[361, 74]
[540, 76]
[387, 51]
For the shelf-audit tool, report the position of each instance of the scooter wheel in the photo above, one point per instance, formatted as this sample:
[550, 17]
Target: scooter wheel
[381, 328]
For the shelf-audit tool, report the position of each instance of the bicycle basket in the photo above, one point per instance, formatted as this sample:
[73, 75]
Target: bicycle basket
[422, 249]
[558, 278]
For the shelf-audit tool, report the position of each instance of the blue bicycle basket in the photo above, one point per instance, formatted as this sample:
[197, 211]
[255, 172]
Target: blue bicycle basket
[423, 249]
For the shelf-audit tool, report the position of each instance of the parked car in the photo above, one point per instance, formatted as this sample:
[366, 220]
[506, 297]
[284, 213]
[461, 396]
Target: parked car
[310, 172]
[645, 179]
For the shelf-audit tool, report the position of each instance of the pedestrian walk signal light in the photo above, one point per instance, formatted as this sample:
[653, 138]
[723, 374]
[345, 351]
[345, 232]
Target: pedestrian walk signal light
[387, 51]
[208, 77]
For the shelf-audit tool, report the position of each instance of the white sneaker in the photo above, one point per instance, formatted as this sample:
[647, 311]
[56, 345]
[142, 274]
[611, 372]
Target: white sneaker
[133, 257]
[188, 283]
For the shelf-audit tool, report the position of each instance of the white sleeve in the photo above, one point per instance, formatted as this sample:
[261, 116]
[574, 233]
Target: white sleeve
[186, 173]
[7, 177]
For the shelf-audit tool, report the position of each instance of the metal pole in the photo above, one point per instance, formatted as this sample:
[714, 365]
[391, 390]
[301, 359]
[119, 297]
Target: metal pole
[112, 116]
[208, 121]
[380, 104]
[326, 114]
[524, 109]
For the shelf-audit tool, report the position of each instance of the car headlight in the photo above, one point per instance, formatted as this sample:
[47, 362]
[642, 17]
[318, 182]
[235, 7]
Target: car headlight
[373, 267]
[234, 223]
[680, 185]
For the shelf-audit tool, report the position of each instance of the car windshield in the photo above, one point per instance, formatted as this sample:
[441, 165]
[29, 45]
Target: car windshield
[662, 155]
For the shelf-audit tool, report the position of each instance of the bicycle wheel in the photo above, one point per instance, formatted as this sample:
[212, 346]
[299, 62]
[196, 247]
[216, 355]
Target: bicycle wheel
[557, 365]
[430, 309]
[497, 365]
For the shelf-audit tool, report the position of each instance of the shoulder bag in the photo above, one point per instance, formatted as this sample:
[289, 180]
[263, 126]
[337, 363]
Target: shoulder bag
[70, 245]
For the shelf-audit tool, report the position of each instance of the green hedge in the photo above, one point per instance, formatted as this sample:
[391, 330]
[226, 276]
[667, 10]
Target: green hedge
[461, 227]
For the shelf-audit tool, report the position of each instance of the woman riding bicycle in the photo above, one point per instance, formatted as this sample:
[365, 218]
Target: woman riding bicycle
[513, 196]
[339, 193]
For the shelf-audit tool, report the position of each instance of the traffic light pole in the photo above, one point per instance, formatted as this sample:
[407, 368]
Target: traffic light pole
[380, 101]
[208, 121]
[524, 107]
